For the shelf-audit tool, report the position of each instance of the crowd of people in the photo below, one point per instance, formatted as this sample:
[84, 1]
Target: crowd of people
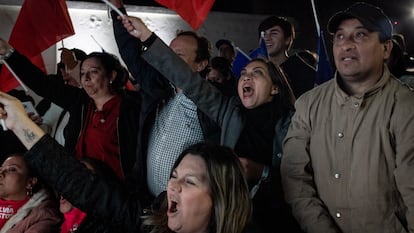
[198, 149]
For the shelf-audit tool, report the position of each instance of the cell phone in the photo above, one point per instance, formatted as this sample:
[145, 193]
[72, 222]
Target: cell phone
[29, 108]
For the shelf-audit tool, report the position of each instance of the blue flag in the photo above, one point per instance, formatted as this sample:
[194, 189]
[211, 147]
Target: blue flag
[323, 69]
[240, 61]
[261, 51]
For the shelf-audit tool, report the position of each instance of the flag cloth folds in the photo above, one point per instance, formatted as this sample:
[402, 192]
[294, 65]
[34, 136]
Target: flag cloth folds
[323, 69]
[240, 61]
[261, 51]
[39, 25]
[194, 12]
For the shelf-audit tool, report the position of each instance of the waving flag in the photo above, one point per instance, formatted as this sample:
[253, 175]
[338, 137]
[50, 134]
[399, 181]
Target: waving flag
[39, 25]
[240, 61]
[323, 68]
[194, 12]
[261, 51]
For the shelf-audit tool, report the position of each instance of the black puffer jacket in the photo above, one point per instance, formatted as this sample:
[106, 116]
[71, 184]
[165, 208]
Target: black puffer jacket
[75, 100]
[109, 201]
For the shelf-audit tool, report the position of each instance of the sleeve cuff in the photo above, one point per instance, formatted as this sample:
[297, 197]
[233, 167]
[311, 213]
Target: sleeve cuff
[148, 42]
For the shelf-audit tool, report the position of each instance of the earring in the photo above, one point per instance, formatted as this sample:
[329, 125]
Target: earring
[29, 191]
[110, 81]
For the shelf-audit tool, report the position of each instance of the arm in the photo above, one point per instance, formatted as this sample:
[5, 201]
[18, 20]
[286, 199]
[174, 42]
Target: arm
[47, 86]
[402, 126]
[297, 176]
[104, 198]
[130, 48]
[207, 97]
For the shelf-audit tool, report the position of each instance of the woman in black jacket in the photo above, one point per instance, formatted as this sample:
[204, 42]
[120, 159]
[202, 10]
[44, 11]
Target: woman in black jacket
[104, 116]
[207, 190]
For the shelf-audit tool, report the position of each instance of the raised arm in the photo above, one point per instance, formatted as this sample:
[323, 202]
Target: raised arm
[207, 97]
[46, 86]
[107, 199]
[150, 80]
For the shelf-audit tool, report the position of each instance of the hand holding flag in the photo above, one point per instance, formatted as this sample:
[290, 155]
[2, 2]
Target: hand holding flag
[49, 21]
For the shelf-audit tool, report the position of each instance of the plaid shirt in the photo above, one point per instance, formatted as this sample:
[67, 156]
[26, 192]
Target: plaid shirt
[176, 127]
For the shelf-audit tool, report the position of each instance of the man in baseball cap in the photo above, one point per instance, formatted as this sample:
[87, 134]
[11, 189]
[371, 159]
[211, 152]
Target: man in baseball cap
[226, 49]
[347, 157]
[372, 17]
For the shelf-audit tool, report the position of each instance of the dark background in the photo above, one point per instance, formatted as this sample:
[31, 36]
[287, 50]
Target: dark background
[399, 11]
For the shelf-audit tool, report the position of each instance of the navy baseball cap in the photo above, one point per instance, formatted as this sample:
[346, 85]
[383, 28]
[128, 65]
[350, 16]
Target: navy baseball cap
[372, 17]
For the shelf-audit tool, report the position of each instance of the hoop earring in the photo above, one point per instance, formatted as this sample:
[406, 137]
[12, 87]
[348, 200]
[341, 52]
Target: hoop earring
[29, 191]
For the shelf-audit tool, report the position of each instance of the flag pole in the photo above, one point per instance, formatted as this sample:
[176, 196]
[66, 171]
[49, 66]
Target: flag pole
[113, 7]
[15, 76]
[318, 28]
[241, 51]
[100, 46]
[260, 41]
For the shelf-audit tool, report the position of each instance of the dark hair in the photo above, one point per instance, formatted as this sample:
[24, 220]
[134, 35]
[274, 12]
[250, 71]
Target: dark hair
[100, 169]
[111, 63]
[222, 65]
[31, 172]
[285, 100]
[283, 23]
[396, 62]
[203, 45]
[79, 54]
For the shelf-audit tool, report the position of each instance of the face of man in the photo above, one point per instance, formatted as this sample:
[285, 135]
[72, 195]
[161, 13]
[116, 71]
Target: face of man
[276, 41]
[227, 52]
[186, 48]
[358, 53]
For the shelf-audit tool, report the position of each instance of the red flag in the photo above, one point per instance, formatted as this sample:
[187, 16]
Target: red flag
[40, 24]
[192, 11]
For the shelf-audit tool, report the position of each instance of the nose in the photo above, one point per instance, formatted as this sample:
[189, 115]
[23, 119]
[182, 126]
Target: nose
[173, 185]
[348, 44]
[246, 77]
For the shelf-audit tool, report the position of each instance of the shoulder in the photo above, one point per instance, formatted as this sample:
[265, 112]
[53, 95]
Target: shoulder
[323, 91]
[295, 62]
[131, 97]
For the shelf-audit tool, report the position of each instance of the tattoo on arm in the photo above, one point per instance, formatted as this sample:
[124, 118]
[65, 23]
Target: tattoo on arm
[29, 135]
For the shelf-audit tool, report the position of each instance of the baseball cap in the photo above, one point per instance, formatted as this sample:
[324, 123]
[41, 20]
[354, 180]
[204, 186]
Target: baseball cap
[224, 41]
[372, 17]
